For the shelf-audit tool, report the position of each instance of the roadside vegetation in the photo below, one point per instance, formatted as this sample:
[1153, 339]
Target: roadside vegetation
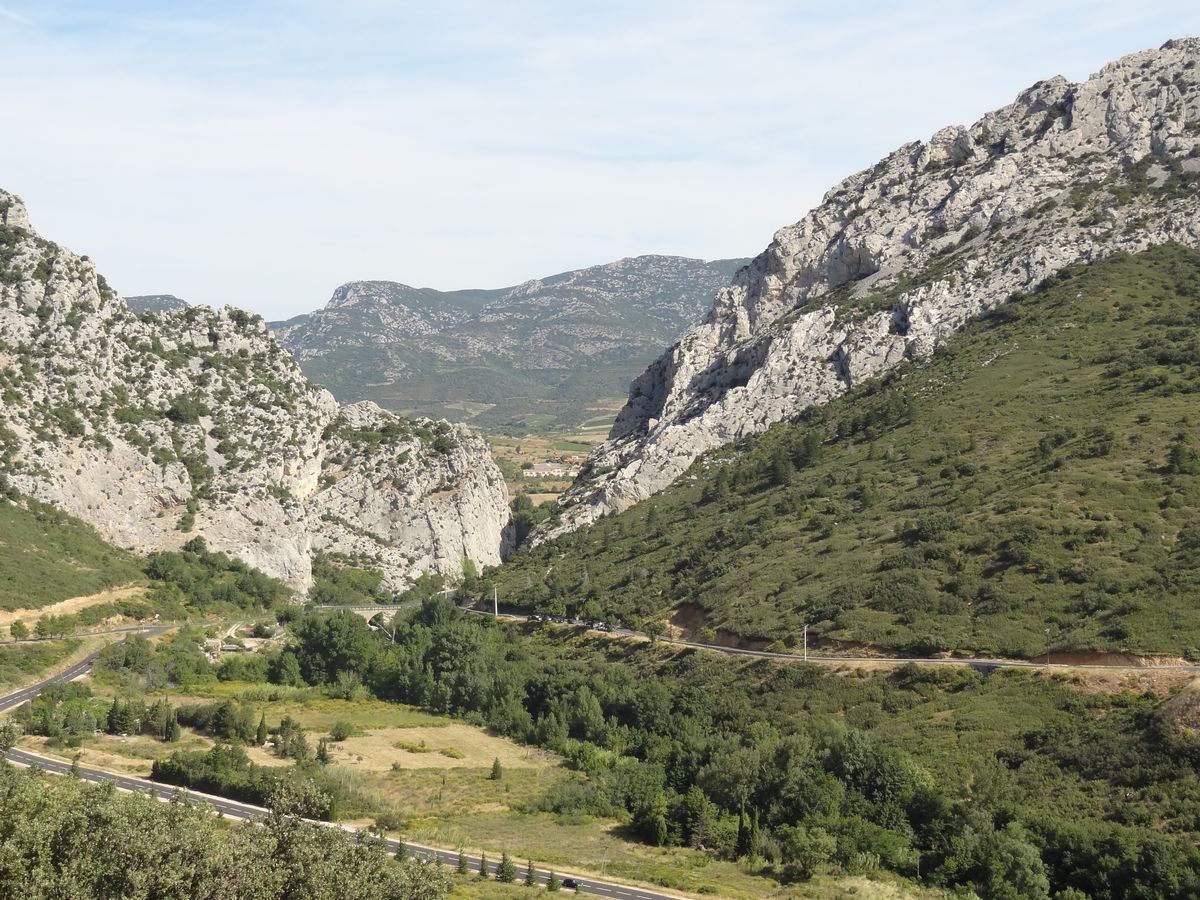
[1033, 486]
[1008, 783]
[62, 837]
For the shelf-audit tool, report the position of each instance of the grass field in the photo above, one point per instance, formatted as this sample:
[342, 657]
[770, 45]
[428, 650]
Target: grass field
[22, 663]
[47, 556]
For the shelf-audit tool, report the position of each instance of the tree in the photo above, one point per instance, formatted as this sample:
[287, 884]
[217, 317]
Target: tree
[497, 770]
[483, 868]
[781, 466]
[506, 871]
[19, 630]
[9, 732]
[553, 883]
[654, 629]
[530, 875]
[285, 670]
[461, 868]
[323, 751]
[260, 735]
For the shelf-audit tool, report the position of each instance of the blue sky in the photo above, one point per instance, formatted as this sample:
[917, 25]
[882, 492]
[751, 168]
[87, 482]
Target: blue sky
[260, 154]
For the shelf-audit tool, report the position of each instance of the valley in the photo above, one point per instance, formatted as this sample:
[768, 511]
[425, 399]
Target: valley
[878, 582]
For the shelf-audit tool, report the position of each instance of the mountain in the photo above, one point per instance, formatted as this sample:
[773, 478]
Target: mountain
[195, 422]
[155, 303]
[1034, 486]
[899, 257]
[529, 356]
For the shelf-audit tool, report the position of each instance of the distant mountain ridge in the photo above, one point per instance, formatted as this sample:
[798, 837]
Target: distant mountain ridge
[522, 356]
[155, 303]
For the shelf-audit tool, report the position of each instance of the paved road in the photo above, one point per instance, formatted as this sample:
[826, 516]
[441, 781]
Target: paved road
[18, 697]
[244, 811]
[973, 661]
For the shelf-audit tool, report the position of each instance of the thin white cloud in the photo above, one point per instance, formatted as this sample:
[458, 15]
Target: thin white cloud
[15, 17]
[265, 155]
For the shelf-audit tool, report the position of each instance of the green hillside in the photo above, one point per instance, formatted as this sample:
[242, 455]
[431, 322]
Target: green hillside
[1035, 484]
[47, 556]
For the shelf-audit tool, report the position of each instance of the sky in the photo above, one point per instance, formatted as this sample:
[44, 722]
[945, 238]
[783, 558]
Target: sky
[262, 153]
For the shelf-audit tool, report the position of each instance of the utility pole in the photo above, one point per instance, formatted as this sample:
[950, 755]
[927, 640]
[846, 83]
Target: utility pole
[495, 603]
[805, 640]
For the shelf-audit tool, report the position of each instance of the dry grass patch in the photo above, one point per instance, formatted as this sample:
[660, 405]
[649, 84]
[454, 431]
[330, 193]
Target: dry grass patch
[72, 605]
[445, 746]
[129, 755]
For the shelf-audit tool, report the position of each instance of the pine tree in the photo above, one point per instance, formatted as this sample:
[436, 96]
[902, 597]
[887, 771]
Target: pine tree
[323, 751]
[497, 770]
[260, 736]
[752, 839]
[115, 717]
[483, 869]
[174, 732]
[530, 875]
[781, 466]
[506, 871]
[461, 868]
[553, 883]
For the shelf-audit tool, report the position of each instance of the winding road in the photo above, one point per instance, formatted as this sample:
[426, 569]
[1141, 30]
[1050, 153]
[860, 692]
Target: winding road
[234, 809]
[977, 662]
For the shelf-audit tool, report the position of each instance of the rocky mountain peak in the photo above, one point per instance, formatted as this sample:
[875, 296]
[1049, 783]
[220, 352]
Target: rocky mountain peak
[902, 254]
[12, 211]
[157, 428]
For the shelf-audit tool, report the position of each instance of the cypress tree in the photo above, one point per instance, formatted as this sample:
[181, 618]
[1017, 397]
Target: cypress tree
[506, 872]
[461, 868]
[260, 736]
[483, 869]
[553, 883]
[530, 875]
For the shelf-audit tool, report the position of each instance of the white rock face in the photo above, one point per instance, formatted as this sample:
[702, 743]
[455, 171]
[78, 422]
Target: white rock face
[157, 428]
[900, 256]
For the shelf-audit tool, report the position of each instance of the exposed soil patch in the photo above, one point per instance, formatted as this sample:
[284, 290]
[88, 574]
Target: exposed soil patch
[73, 605]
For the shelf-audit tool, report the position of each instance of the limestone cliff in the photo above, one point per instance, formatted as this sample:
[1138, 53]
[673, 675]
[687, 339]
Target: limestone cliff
[155, 428]
[899, 256]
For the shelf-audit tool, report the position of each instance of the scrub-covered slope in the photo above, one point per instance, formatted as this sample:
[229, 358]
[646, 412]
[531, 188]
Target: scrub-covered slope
[898, 257]
[1033, 485]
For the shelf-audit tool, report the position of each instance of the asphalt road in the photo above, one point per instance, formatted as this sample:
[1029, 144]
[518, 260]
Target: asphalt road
[973, 661]
[244, 811]
[18, 697]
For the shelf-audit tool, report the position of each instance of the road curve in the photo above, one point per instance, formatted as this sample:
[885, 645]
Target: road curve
[234, 809]
[80, 668]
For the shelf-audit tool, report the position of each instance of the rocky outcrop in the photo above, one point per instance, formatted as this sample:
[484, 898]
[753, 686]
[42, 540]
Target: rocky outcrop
[157, 427]
[899, 256]
[570, 339]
